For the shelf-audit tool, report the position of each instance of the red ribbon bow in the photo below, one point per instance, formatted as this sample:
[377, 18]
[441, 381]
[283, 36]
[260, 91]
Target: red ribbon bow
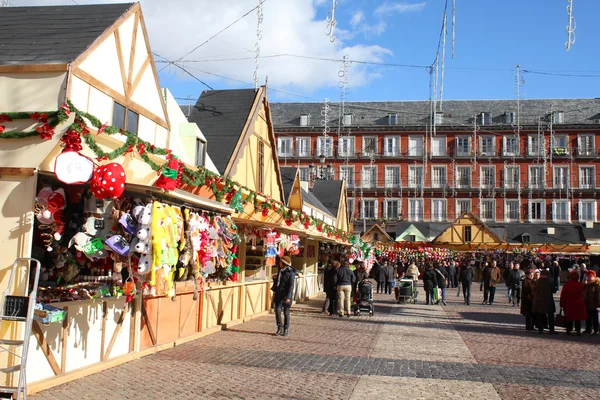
[101, 129]
[5, 118]
[66, 108]
[43, 118]
[141, 148]
[45, 131]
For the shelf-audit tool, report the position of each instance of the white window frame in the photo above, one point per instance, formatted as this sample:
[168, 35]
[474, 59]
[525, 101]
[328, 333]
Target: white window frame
[482, 184]
[351, 146]
[280, 141]
[385, 208]
[594, 211]
[349, 180]
[586, 150]
[434, 183]
[300, 149]
[557, 139]
[510, 117]
[395, 146]
[304, 119]
[362, 208]
[392, 119]
[416, 151]
[351, 207]
[459, 150]
[438, 118]
[542, 209]
[434, 215]
[389, 183]
[364, 184]
[412, 182]
[558, 117]
[493, 209]
[542, 177]
[592, 183]
[564, 182]
[411, 216]
[531, 149]
[441, 149]
[458, 212]
[457, 179]
[489, 152]
[507, 216]
[373, 152]
[512, 183]
[485, 118]
[554, 206]
[347, 119]
[326, 142]
[304, 171]
[505, 148]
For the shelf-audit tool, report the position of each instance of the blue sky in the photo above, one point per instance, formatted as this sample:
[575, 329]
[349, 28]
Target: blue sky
[492, 36]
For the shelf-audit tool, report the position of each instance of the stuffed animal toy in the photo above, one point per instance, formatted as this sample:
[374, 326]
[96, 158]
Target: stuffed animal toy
[142, 243]
[108, 181]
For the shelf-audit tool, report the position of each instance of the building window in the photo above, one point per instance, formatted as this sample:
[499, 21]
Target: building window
[347, 119]
[411, 238]
[376, 236]
[485, 118]
[303, 147]
[261, 167]
[537, 211]
[369, 146]
[438, 177]
[561, 211]
[511, 146]
[487, 146]
[125, 119]
[536, 177]
[438, 146]
[438, 118]
[462, 206]
[560, 145]
[534, 145]
[200, 151]
[587, 210]
[391, 146]
[561, 177]
[415, 210]
[488, 210]
[558, 117]
[350, 204]
[346, 147]
[415, 177]
[585, 145]
[369, 209]
[510, 118]
[392, 119]
[487, 178]
[463, 177]
[304, 119]
[525, 238]
[284, 147]
[511, 177]
[369, 177]
[392, 209]
[512, 211]
[467, 234]
[324, 147]
[463, 145]
[347, 173]
[392, 177]
[586, 178]
[304, 174]
[415, 146]
[438, 210]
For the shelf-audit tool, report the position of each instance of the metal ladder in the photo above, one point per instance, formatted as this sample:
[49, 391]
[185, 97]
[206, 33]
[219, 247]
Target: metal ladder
[19, 309]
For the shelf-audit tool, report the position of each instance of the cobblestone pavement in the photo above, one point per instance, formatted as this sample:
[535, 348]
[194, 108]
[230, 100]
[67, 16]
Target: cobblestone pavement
[403, 352]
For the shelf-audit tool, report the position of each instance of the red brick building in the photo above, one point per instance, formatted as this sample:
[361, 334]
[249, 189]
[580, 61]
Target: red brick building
[401, 163]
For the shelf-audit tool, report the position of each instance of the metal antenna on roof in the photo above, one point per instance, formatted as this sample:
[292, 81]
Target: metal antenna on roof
[7, 3]
[330, 19]
[453, 25]
[571, 27]
[259, 15]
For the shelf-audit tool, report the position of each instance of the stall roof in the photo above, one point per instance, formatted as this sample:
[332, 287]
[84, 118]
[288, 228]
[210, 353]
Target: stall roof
[53, 34]
[538, 233]
[313, 201]
[288, 177]
[181, 197]
[329, 193]
[427, 229]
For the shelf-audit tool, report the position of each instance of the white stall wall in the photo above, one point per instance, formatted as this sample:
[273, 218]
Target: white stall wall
[34, 91]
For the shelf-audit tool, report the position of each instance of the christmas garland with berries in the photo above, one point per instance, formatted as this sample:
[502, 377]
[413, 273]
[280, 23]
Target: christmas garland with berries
[224, 189]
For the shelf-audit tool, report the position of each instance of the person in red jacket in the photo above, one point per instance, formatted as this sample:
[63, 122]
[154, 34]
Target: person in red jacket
[571, 300]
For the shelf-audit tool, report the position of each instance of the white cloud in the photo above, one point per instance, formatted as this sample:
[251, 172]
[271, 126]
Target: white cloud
[357, 18]
[388, 8]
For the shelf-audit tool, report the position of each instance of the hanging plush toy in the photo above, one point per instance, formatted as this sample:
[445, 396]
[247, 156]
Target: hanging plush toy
[108, 181]
[169, 178]
[70, 166]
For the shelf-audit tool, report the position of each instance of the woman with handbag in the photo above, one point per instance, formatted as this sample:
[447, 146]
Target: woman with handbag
[571, 300]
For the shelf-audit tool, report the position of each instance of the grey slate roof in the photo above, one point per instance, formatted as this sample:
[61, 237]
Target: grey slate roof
[52, 34]
[288, 176]
[563, 233]
[221, 116]
[310, 198]
[428, 229]
[456, 113]
[329, 193]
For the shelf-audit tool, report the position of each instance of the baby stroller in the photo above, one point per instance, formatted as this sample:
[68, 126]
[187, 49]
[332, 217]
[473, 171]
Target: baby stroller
[364, 298]
[406, 291]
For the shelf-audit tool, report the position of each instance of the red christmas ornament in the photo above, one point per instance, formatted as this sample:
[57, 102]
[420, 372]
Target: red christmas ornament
[265, 212]
[108, 181]
[169, 174]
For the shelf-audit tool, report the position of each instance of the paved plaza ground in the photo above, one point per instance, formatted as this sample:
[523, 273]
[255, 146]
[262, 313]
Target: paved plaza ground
[403, 352]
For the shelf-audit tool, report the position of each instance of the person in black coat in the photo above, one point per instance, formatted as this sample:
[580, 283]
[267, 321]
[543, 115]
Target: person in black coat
[381, 277]
[283, 293]
[452, 274]
[429, 283]
[330, 305]
[441, 277]
[467, 274]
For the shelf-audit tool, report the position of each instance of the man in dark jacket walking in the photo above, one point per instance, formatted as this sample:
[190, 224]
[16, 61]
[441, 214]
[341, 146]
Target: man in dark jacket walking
[466, 279]
[491, 277]
[555, 272]
[344, 281]
[515, 281]
[330, 305]
[390, 277]
[429, 283]
[452, 274]
[441, 277]
[283, 292]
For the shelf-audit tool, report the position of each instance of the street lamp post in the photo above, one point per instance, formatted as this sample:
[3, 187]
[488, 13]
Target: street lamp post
[321, 173]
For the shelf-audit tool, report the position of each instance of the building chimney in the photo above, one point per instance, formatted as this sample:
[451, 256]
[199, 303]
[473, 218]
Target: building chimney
[304, 185]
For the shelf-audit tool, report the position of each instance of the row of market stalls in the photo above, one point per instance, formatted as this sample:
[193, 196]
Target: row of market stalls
[144, 244]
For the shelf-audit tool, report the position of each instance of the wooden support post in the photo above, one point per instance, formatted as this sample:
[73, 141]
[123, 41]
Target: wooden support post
[103, 339]
[63, 345]
[115, 334]
[45, 347]
[147, 322]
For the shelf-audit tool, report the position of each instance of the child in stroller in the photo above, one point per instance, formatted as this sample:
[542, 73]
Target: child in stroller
[364, 298]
